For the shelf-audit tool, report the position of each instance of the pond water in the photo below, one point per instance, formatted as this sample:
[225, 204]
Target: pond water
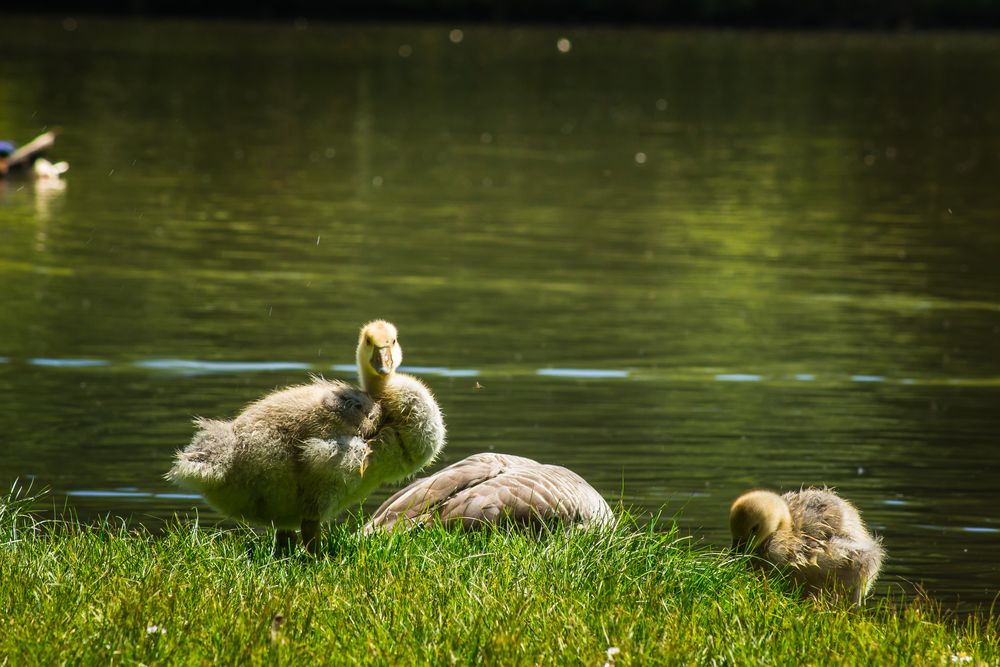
[681, 263]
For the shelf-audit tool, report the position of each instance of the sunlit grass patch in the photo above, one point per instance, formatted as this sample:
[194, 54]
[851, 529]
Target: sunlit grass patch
[105, 594]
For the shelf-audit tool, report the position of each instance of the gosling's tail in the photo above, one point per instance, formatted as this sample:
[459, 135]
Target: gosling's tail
[206, 461]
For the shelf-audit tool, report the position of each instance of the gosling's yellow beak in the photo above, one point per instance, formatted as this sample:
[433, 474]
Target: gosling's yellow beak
[381, 360]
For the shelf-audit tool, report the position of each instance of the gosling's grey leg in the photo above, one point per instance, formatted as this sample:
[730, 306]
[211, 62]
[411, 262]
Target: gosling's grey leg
[284, 542]
[310, 535]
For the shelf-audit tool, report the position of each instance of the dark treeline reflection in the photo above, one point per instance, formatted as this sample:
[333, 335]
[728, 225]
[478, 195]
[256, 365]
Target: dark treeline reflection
[899, 14]
[786, 243]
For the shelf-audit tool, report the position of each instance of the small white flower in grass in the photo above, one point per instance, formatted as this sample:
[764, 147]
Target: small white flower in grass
[153, 629]
[277, 625]
[960, 658]
[611, 652]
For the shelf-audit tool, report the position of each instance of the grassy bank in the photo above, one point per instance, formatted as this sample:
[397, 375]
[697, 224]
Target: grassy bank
[101, 594]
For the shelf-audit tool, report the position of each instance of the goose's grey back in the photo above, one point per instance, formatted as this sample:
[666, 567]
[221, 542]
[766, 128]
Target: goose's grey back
[490, 489]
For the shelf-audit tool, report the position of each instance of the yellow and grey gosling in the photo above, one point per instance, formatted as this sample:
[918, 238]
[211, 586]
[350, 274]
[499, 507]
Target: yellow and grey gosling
[301, 454]
[814, 535]
[495, 489]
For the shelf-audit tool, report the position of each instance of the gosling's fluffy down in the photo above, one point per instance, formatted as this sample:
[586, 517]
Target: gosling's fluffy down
[814, 535]
[301, 454]
[293, 455]
[494, 489]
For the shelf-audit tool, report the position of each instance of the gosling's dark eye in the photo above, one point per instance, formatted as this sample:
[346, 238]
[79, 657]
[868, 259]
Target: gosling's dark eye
[368, 340]
[755, 527]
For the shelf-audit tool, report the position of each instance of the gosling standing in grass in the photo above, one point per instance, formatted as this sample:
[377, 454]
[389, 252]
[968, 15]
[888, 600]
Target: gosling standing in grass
[816, 536]
[299, 455]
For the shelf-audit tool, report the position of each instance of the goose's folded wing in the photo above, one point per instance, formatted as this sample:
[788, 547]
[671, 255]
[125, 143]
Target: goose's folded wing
[421, 499]
[527, 496]
[495, 488]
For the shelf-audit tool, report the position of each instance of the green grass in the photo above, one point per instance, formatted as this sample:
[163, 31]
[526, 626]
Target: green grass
[102, 594]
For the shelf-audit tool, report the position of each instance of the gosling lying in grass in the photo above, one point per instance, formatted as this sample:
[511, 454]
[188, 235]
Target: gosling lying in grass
[814, 535]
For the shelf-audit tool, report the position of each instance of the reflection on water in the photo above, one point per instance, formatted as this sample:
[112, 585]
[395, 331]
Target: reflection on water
[195, 366]
[796, 284]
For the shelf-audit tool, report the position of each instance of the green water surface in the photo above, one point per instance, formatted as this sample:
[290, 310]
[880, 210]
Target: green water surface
[681, 263]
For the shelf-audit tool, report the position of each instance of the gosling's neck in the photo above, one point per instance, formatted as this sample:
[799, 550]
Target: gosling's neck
[373, 383]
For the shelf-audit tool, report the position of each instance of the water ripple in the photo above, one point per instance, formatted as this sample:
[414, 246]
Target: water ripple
[67, 363]
[581, 373]
[99, 493]
[738, 377]
[440, 370]
[197, 366]
[190, 365]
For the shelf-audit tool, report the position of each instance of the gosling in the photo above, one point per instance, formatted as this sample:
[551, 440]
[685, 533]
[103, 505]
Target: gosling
[814, 535]
[301, 454]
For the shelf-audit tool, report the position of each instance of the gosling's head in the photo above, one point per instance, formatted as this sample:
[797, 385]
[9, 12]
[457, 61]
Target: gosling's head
[379, 354]
[755, 517]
